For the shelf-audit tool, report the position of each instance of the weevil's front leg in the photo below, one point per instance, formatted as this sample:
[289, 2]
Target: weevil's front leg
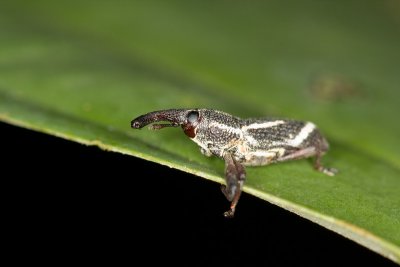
[235, 176]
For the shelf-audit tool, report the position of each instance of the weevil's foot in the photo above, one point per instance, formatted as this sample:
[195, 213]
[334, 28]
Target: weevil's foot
[206, 152]
[328, 171]
[229, 214]
[223, 188]
[227, 193]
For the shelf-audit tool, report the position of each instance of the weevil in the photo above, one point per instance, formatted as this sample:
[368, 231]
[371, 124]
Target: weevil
[242, 142]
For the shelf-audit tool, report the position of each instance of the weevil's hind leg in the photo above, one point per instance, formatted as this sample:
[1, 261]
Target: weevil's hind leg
[235, 176]
[319, 167]
[321, 148]
[298, 154]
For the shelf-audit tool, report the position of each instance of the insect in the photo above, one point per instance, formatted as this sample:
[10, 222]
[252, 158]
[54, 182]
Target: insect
[242, 142]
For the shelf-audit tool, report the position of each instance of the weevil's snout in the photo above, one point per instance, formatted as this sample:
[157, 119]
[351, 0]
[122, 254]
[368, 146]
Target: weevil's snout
[135, 124]
[153, 117]
[175, 117]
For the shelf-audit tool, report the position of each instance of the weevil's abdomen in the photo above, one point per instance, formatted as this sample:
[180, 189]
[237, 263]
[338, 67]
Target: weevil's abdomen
[268, 141]
[315, 138]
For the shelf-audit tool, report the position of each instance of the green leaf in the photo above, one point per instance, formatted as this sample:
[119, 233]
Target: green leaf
[83, 70]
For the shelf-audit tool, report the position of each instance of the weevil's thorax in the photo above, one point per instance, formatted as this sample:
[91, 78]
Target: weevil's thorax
[217, 131]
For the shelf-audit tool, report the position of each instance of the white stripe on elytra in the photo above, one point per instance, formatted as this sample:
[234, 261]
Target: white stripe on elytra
[302, 135]
[227, 128]
[262, 125]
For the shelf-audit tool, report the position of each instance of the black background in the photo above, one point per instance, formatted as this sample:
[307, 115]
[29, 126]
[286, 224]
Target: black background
[71, 203]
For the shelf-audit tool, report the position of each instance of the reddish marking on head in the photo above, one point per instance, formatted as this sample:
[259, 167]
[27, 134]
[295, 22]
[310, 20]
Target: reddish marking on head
[192, 121]
[189, 130]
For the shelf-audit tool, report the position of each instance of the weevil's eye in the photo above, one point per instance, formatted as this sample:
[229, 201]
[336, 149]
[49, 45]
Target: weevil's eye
[193, 116]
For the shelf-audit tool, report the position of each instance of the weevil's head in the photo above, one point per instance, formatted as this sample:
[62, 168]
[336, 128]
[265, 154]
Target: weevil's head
[188, 119]
[193, 121]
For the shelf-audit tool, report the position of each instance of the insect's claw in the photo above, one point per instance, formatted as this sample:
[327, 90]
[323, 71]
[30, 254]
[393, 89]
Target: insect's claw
[229, 214]
[328, 171]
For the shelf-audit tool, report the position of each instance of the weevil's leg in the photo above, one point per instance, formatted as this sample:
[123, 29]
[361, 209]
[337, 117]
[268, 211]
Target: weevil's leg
[319, 167]
[235, 176]
[298, 154]
[322, 146]
[241, 176]
[230, 177]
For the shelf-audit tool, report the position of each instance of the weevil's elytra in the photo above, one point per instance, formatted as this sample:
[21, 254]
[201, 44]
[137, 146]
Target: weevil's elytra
[242, 142]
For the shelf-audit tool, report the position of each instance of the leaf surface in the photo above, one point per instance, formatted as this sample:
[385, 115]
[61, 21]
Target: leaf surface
[83, 70]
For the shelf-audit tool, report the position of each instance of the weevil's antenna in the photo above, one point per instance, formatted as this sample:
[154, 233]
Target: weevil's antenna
[160, 126]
